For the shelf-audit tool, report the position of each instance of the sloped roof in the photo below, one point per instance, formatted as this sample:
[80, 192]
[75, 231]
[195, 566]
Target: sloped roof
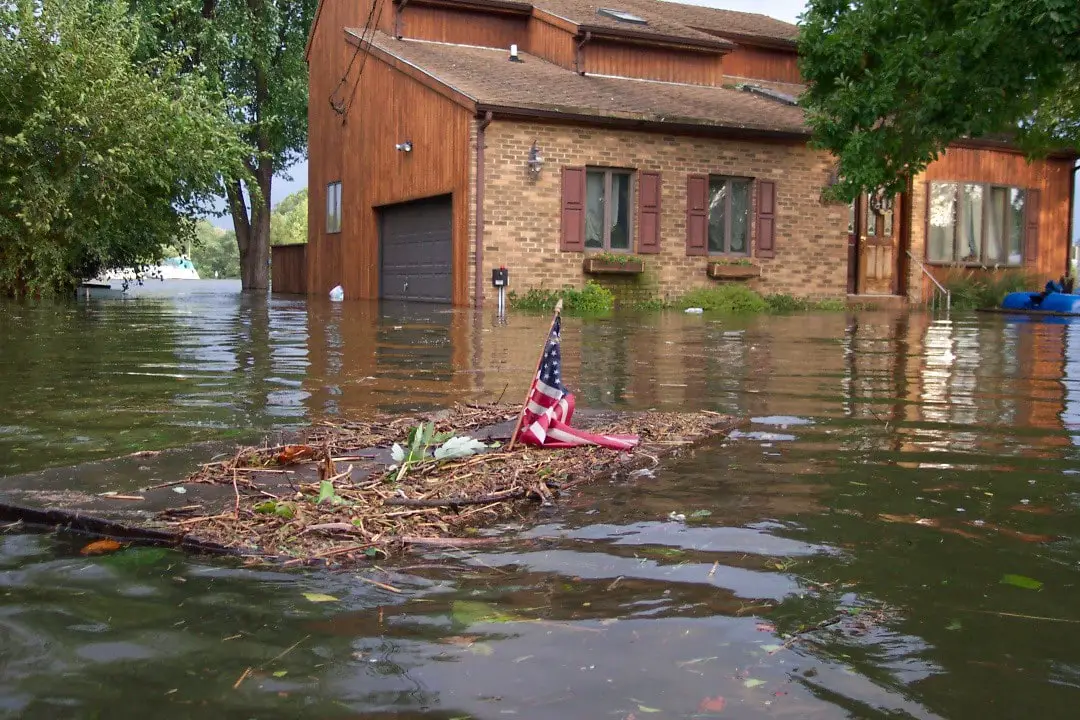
[545, 88]
[730, 22]
[660, 20]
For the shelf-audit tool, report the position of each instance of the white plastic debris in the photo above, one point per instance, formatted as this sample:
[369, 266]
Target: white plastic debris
[694, 311]
[337, 294]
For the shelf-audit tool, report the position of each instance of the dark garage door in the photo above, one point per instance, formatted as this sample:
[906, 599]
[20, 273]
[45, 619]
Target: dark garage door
[415, 251]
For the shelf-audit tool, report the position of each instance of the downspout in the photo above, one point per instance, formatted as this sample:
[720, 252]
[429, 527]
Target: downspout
[398, 11]
[579, 54]
[478, 291]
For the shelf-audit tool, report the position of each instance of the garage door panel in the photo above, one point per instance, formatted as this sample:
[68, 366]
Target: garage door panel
[416, 251]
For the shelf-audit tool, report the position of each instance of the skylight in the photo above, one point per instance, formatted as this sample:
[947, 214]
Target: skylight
[622, 16]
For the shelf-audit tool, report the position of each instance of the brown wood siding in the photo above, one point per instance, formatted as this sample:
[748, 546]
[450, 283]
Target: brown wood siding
[763, 64]
[360, 153]
[288, 269]
[1001, 167]
[463, 26]
[550, 43]
[670, 65]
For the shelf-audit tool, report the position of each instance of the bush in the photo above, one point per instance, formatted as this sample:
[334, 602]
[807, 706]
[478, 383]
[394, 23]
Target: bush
[972, 289]
[732, 299]
[593, 298]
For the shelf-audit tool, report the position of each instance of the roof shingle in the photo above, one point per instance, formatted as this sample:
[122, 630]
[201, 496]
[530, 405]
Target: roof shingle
[542, 86]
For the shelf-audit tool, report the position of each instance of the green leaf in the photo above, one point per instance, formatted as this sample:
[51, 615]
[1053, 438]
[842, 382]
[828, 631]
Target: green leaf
[1021, 581]
[137, 556]
[954, 625]
[269, 507]
[647, 709]
[752, 682]
[471, 612]
[772, 648]
[280, 673]
[284, 510]
[700, 514]
[320, 597]
[326, 492]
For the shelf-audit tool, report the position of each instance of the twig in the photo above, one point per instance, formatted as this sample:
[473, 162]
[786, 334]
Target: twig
[236, 490]
[284, 652]
[378, 584]
[502, 393]
[121, 497]
[454, 501]
[1025, 617]
[241, 678]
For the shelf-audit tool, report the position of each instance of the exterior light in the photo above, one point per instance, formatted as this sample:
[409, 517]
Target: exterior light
[404, 147]
[536, 160]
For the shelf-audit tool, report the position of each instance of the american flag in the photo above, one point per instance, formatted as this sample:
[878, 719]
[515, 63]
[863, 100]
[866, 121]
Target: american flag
[550, 407]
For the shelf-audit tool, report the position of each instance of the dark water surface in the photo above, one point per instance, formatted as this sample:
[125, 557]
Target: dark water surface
[898, 471]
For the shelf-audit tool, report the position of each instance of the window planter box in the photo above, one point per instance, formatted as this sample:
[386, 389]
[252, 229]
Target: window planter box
[725, 271]
[600, 266]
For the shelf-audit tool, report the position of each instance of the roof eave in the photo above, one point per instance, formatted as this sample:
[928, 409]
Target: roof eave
[772, 43]
[601, 31]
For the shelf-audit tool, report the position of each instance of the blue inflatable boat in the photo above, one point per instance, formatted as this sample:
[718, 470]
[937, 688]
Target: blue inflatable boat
[1051, 300]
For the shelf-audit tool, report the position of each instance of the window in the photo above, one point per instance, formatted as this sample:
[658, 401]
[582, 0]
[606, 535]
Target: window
[607, 210]
[975, 224]
[729, 215]
[333, 207]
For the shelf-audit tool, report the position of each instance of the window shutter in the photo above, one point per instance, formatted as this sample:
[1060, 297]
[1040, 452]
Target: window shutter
[697, 214]
[1031, 227]
[649, 212]
[766, 218]
[572, 236]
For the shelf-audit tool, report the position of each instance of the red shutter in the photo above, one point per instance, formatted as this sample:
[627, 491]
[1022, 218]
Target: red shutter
[1031, 227]
[766, 218]
[648, 212]
[572, 237]
[697, 214]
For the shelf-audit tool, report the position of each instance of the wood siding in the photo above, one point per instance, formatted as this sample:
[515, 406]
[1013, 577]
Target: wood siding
[603, 57]
[550, 43]
[358, 149]
[288, 269]
[464, 27]
[763, 64]
[1050, 177]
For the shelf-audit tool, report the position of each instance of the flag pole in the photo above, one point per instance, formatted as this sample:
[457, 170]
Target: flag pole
[528, 393]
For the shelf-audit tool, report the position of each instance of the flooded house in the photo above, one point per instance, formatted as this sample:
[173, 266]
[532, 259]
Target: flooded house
[641, 142]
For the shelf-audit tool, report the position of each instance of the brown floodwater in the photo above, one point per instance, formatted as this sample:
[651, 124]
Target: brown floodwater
[894, 535]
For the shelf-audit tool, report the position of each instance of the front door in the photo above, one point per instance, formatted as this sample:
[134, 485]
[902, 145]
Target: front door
[872, 246]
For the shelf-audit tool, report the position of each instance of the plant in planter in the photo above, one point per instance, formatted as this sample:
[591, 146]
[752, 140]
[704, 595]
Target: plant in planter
[609, 263]
[732, 269]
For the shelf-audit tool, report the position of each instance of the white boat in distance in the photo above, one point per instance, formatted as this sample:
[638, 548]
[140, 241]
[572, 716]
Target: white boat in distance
[174, 268]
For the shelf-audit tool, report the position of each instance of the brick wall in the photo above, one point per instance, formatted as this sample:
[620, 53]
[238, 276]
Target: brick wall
[522, 214]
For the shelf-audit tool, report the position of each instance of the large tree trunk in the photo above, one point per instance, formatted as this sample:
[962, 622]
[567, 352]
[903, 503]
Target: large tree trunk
[253, 230]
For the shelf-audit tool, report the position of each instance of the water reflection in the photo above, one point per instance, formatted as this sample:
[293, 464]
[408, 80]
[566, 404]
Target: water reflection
[897, 467]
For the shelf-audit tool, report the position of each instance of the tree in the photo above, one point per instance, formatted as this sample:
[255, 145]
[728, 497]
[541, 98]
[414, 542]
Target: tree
[253, 51]
[214, 252]
[893, 82]
[288, 222]
[102, 156]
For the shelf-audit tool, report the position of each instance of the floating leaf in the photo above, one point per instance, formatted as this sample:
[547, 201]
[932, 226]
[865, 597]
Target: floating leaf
[772, 648]
[326, 492]
[471, 612]
[647, 709]
[138, 556]
[954, 625]
[320, 597]
[700, 514]
[712, 704]
[280, 673]
[752, 682]
[1021, 581]
[481, 649]
[459, 447]
[100, 547]
[284, 510]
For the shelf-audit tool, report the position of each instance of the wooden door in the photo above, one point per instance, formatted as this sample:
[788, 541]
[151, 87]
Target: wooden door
[875, 247]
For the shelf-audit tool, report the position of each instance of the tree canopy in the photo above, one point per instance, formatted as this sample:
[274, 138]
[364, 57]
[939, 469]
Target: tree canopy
[252, 51]
[288, 222]
[893, 82]
[103, 156]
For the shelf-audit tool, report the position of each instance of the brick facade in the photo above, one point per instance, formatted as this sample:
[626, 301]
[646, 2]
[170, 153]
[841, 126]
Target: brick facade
[522, 214]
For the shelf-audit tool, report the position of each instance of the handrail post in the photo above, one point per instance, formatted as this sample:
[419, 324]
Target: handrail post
[938, 287]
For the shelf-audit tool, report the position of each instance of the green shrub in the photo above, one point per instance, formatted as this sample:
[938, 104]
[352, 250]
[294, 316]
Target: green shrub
[972, 289]
[732, 299]
[593, 298]
[781, 303]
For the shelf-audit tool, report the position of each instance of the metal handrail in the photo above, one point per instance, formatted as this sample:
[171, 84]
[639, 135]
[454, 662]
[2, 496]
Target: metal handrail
[940, 288]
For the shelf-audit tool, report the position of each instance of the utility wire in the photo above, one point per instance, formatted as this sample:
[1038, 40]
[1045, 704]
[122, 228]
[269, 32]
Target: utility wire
[367, 33]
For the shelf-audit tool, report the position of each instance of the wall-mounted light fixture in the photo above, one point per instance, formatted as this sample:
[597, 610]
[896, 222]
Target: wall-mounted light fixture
[404, 147]
[536, 160]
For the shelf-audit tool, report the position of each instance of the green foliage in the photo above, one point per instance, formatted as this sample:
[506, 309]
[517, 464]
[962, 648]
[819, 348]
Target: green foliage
[593, 298]
[104, 157]
[214, 252]
[972, 289]
[252, 53]
[780, 303]
[893, 82]
[728, 298]
[615, 258]
[740, 262]
[288, 221]
[422, 439]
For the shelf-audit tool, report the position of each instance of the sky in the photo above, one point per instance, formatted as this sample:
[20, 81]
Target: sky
[787, 10]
